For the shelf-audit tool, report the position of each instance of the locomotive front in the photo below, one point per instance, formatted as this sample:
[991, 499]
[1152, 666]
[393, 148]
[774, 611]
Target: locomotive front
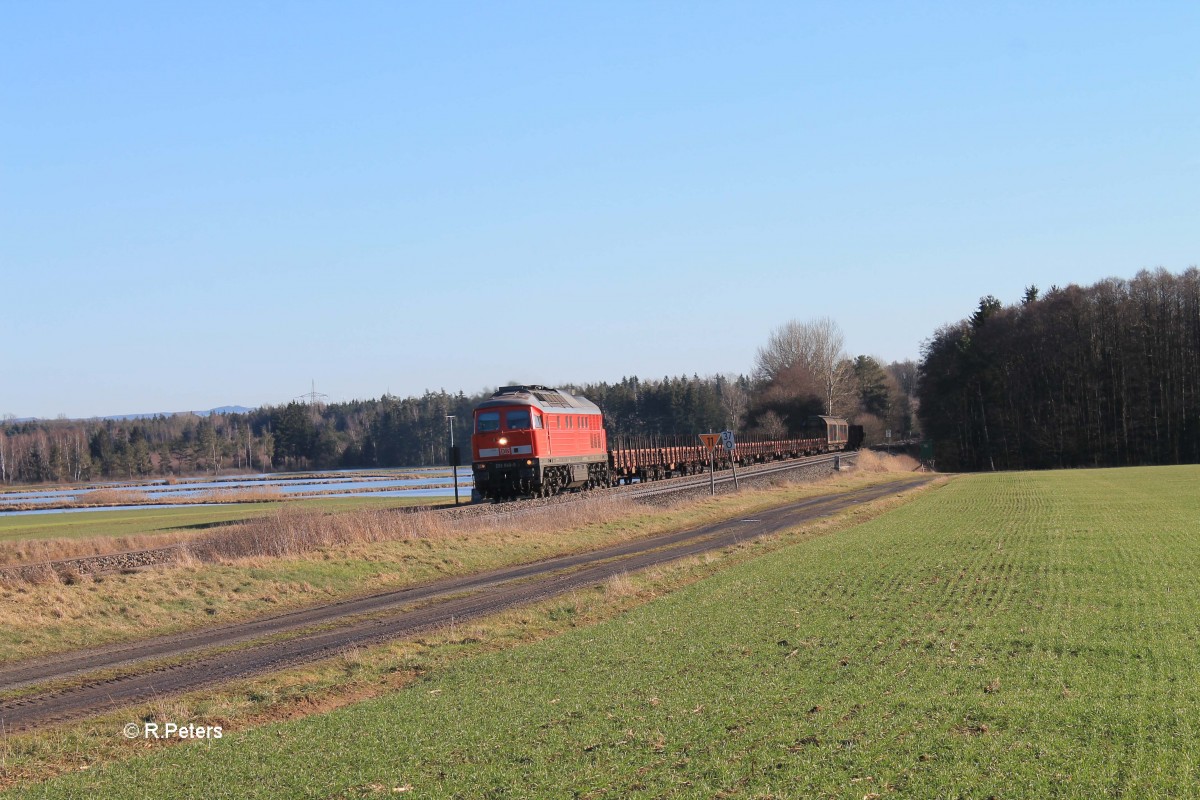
[531, 441]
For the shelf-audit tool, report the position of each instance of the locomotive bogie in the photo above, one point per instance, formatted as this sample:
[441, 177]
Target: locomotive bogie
[538, 477]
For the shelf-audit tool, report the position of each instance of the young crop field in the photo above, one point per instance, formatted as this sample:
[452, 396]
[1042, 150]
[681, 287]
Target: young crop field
[1012, 635]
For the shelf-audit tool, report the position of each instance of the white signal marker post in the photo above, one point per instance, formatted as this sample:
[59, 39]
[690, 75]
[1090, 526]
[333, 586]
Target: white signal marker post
[727, 440]
[711, 440]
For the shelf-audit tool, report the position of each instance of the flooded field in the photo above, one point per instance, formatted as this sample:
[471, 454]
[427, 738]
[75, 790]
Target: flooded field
[116, 495]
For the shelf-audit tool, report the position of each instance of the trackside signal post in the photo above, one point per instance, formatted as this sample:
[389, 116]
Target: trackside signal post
[455, 457]
[711, 440]
[727, 440]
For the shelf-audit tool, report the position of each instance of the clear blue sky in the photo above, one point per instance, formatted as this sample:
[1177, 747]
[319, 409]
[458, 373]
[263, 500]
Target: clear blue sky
[215, 203]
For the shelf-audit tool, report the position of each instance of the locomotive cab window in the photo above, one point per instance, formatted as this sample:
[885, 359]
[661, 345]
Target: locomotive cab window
[487, 421]
[537, 421]
[517, 420]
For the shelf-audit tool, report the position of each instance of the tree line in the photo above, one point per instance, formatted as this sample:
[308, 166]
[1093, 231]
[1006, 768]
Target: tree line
[414, 431]
[1104, 375]
[386, 432]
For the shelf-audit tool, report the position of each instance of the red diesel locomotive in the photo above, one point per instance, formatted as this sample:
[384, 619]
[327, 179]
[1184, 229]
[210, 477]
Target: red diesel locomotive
[532, 441]
[535, 441]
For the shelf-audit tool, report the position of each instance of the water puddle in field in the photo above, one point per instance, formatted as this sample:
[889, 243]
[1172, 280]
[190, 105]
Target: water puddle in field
[152, 507]
[420, 482]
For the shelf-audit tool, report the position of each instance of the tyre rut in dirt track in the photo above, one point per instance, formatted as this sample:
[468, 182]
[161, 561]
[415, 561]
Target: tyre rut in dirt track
[509, 587]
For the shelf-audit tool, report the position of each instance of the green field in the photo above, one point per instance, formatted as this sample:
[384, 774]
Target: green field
[1012, 635]
[150, 519]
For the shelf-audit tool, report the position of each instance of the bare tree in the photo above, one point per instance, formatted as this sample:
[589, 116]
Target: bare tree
[905, 373]
[735, 402]
[809, 357]
[772, 425]
[838, 381]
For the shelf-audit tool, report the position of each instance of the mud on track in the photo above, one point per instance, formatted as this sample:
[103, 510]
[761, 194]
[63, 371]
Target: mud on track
[392, 615]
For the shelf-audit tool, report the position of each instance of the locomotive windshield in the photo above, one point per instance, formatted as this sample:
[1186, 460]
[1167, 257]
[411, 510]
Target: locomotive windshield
[487, 421]
[517, 420]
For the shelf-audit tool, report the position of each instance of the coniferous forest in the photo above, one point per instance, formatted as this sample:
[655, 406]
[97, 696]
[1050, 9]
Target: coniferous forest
[1105, 375]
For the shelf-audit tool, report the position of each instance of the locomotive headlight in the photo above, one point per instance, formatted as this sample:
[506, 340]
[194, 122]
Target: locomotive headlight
[529, 462]
[503, 440]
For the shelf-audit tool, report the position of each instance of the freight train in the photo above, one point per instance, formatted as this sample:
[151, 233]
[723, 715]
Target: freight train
[533, 441]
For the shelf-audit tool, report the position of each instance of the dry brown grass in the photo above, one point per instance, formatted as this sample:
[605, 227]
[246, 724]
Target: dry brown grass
[247, 494]
[619, 585]
[112, 497]
[872, 461]
[291, 558]
[291, 531]
[38, 551]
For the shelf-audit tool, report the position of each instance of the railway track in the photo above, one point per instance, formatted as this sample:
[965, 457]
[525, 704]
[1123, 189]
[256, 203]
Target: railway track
[725, 480]
[107, 563]
[86, 682]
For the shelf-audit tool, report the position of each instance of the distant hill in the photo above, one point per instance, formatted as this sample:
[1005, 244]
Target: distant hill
[225, 410]
[209, 412]
[153, 414]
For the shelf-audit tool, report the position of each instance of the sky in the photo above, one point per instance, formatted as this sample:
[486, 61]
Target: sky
[221, 203]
